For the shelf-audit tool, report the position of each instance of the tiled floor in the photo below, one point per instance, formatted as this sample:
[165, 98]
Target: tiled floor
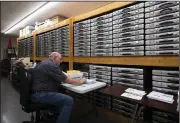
[10, 107]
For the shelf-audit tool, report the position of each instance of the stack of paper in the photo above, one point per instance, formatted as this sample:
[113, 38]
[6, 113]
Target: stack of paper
[90, 81]
[74, 74]
[161, 97]
[133, 94]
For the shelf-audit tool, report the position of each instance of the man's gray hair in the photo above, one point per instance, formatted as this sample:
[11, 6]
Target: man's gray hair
[54, 54]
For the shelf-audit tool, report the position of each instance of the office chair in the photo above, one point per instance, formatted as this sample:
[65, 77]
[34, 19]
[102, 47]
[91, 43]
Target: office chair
[26, 78]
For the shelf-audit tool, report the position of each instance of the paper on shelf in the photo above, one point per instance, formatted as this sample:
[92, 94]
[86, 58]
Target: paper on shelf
[135, 92]
[132, 96]
[161, 97]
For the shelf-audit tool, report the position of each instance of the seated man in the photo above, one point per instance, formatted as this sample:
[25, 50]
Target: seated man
[47, 78]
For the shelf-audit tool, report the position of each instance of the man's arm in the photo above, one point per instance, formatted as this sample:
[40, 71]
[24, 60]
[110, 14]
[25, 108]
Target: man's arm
[56, 73]
[59, 76]
[74, 81]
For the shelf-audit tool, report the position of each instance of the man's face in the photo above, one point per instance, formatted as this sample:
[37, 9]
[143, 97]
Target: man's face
[58, 60]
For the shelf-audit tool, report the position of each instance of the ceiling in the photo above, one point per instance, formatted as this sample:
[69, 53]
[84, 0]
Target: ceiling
[13, 12]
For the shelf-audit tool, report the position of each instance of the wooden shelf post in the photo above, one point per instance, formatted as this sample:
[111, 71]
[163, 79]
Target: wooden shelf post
[71, 42]
[34, 47]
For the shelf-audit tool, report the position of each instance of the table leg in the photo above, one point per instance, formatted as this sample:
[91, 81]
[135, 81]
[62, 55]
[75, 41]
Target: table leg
[135, 112]
[140, 109]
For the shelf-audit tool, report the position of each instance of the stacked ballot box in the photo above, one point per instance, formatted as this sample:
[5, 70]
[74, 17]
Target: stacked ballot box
[100, 99]
[103, 100]
[129, 77]
[164, 117]
[145, 28]
[126, 108]
[92, 97]
[165, 81]
[82, 33]
[49, 40]
[101, 74]
[162, 28]
[53, 41]
[64, 40]
[30, 43]
[39, 45]
[101, 35]
[25, 47]
[20, 48]
[128, 31]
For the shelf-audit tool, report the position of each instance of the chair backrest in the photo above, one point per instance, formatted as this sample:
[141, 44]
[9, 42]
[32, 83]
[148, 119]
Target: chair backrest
[26, 78]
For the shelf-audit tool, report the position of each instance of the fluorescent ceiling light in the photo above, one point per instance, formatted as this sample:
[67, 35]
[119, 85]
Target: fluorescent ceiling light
[44, 8]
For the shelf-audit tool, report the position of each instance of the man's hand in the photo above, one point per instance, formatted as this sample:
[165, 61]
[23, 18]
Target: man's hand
[75, 81]
[82, 81]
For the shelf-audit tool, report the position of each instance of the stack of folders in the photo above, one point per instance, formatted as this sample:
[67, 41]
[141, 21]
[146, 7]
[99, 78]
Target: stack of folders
[161, 97]
[133, 94]
[178, 102]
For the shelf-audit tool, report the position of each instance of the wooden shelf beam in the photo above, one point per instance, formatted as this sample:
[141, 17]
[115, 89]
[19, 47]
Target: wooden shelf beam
[101, 10]
[65, 59]
[60, 24]
[166, 61]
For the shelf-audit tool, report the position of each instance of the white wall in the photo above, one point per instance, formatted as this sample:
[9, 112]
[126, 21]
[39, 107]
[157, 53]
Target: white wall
[4, 42]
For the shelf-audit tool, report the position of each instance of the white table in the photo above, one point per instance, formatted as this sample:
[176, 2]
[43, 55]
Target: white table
[84, 88]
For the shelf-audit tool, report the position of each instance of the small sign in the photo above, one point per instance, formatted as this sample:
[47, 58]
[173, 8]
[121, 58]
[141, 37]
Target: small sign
[10, 51]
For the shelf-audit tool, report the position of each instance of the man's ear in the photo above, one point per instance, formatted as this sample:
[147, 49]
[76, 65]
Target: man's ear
[55, 58]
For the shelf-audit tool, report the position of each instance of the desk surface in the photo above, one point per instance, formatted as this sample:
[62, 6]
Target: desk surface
[83, 88]
[117, 90]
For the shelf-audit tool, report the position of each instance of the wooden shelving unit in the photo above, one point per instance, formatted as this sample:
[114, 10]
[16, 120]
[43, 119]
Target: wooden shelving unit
[41, 58]
[58, 25]
[171, 61]
[153, 61]
[163, 61]
[31, 58]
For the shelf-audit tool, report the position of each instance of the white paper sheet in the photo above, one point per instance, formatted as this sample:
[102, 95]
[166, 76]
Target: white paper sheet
[135, 92]
[161, 97]
[132, 96]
